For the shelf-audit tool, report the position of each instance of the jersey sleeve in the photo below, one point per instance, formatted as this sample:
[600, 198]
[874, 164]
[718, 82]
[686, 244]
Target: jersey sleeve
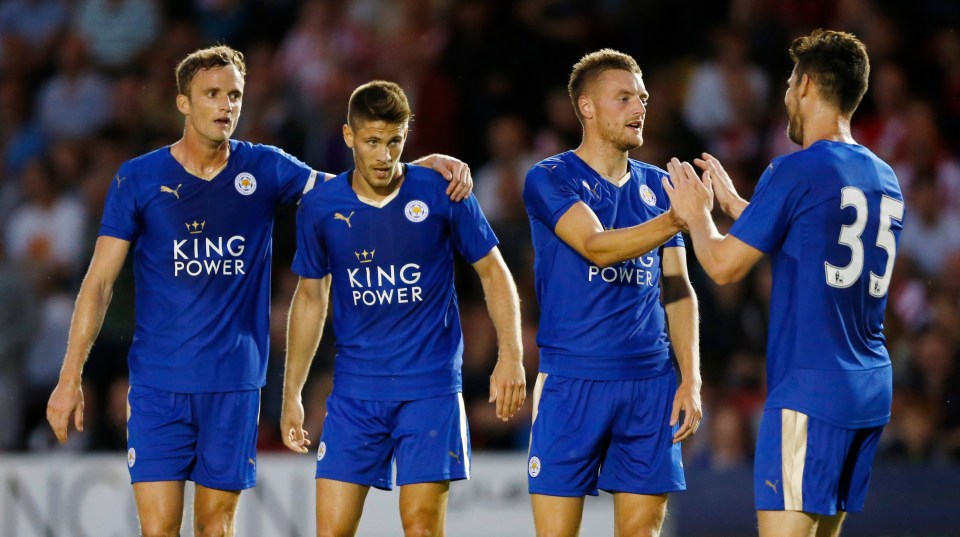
[120, 212]
[766, 220]
[294, 177]
[311, 259]
[472, 235]
[546, 195]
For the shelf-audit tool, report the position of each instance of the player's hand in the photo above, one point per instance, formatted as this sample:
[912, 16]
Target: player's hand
[291, 425]
[457, 173]
[65, 402]
[690, 197]
[686, 400]
[727, 197]
[508, 386]
[676, 220]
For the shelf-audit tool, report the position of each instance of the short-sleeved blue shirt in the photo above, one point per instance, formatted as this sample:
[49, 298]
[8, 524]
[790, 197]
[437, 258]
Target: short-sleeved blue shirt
[830, 217]
[395, 311]
[597, 323]
[201, 261]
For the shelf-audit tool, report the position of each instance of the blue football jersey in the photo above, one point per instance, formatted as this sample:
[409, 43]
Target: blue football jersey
[201, 261]
[395, 310]
[830, 217]
[597, 323]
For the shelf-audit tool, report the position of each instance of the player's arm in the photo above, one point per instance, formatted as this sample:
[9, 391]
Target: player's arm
[680, 302]
[725, 258]
[455, 171]
[308, 313]
[580, 228]
[508, 385]
[66, 401]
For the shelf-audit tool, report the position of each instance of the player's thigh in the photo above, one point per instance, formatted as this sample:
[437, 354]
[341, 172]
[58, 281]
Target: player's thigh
[432, 440]
[557, 516]
[214, 511]
[161, 435]
[805, 464]
[829, 526]
[638, 515]
[356, 445]
[570, 435]
[159, 507]
[339, 507]
[786, 524]
[423, 508]
[642, 457]
[227, 425]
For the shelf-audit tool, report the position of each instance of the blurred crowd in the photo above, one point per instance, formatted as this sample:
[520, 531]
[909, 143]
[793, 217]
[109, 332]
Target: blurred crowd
[87, 84]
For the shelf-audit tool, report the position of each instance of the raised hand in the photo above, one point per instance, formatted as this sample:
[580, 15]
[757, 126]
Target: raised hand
[690, 198]
[727, 197]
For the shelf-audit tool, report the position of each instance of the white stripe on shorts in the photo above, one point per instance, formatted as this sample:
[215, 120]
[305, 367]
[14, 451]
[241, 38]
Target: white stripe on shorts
[793, 451]
[537, 391]
[463, 436]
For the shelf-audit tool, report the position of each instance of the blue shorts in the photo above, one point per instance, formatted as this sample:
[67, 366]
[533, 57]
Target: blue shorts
[610, 435]
[805, 464]
[207, 438]
[428, 438]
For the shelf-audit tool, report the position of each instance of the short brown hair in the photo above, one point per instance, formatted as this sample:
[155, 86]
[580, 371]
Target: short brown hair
[207, 58]
[591, 65]
[837, 62]
[378, 100]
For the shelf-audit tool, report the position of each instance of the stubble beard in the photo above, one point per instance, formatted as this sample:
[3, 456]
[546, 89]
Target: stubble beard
[623, 142]
[794, 126]
[795, 131]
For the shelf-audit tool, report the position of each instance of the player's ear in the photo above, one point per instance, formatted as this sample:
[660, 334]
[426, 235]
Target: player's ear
[183, 104]
[804, 85]
[348, 135]
[586, 106]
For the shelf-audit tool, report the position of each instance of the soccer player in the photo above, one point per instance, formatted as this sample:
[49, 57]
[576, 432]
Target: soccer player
[199, 215]
[382, 237]
[606, 404]
[829, 216]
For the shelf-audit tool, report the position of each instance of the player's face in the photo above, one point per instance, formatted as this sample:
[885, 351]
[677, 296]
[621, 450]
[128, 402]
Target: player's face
[794, 118]
[213, 106]
[377, 146]
[620, 106]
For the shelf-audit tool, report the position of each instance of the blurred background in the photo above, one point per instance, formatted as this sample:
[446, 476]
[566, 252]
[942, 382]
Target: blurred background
[88, 84]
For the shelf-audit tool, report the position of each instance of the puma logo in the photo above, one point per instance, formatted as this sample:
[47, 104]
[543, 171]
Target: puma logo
[455, 456]
[593, 189]
[169, 190]
[338, 216]
[772, 485]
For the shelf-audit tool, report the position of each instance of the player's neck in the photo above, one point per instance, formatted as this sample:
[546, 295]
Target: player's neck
[200, 157]
[606, 160]
[365, 190]
[827, 124]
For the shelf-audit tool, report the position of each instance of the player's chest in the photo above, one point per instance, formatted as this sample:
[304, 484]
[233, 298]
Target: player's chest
[232, 203]
[619, 206]
[398, 232]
